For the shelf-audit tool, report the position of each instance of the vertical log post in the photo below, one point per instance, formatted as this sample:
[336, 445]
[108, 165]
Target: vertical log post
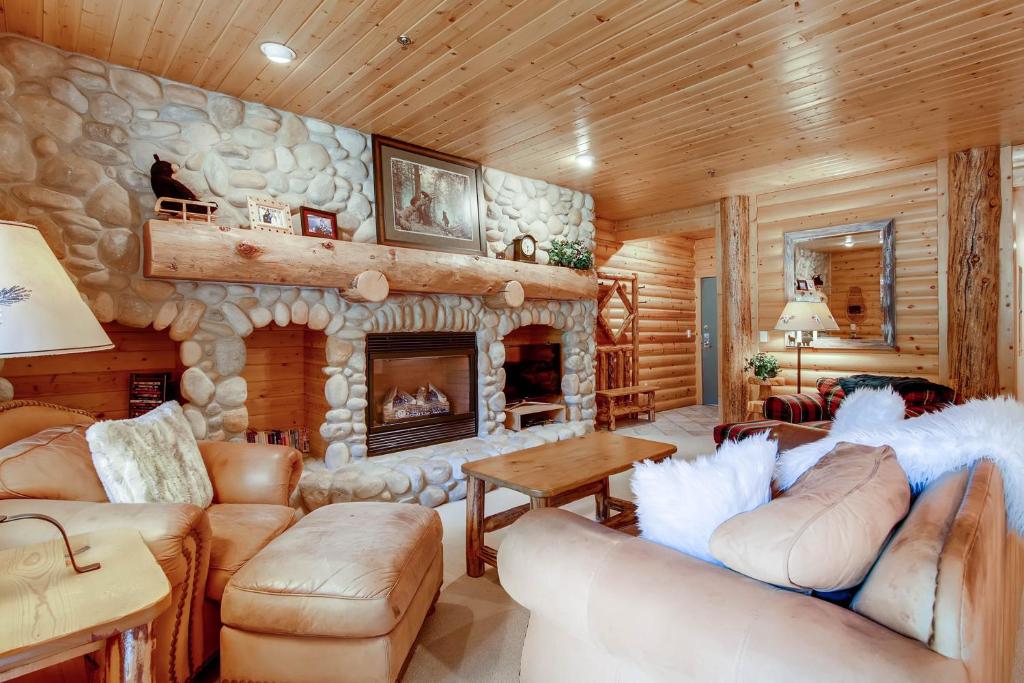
[735, 318]
[975, 209]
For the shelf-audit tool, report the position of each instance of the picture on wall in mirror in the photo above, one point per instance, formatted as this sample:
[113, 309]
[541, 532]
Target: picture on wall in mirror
[850, 268]
[317, 223]
[427, 199]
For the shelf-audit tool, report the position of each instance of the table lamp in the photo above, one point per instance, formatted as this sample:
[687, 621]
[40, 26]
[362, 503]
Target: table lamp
[41, 311]
[805, 316]
[41, 314]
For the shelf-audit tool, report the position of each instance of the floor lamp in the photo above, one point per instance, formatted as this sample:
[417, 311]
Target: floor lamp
[41, 311]
[805, 319]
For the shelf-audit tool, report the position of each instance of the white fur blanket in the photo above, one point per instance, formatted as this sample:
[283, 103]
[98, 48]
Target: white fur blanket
[928, 446]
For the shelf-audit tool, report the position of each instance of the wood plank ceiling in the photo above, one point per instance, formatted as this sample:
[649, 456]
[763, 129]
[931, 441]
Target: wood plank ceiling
[680, 102]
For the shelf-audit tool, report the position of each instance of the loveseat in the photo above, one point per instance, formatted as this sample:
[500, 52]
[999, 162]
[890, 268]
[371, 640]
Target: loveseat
[944, 599]
[199, 550]
[818, 408]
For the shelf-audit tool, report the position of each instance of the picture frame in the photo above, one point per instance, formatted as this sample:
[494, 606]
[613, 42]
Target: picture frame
[802, 286]
[269, 215]
[427, 199]
[317, 223]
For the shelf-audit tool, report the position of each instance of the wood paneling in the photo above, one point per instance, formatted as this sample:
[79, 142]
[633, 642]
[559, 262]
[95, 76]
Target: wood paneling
[315, 402]
[857, 268]
[665, 269]
[96, 381]
[274, 372]
[681, 102]
[908, 195]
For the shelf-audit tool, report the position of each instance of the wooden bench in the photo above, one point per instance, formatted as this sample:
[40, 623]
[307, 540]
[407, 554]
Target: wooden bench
[623, 402]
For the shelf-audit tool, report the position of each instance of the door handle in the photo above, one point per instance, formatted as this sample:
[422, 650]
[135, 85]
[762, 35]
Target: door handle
[706, 337]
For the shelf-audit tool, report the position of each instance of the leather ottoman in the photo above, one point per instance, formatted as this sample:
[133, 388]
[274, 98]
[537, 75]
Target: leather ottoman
[340, 597]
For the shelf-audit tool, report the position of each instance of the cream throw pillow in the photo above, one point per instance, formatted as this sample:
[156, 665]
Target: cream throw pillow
[153, 458]
[826, 531]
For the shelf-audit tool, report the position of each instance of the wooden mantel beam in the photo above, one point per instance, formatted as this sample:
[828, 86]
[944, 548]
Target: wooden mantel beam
[176, 251]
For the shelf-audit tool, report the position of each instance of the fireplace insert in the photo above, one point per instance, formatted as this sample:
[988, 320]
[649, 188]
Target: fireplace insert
[422, 389]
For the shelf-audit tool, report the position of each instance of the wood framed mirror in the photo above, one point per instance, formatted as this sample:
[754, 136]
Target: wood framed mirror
[853, 269]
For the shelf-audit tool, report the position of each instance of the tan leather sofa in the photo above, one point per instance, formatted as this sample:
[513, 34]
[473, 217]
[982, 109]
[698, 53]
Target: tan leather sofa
[609, 607]
[199, 550]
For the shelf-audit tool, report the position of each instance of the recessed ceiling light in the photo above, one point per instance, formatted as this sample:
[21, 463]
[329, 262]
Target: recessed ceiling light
[404, 40]
[277, 53]
[585, 160]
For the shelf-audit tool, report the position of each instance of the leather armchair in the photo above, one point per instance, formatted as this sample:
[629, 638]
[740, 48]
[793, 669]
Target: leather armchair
[198, 549]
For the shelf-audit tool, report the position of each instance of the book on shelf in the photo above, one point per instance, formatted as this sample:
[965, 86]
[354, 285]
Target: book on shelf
[147, 390]
[296, 437]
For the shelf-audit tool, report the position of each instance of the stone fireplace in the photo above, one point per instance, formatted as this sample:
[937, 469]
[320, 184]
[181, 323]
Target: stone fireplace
[422, 389]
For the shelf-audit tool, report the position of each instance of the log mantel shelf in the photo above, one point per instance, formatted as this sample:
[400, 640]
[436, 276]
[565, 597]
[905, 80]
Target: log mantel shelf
[210, 253]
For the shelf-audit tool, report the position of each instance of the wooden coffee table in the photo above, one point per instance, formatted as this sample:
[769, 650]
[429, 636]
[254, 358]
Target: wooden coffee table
[50, 614]
[553, 475]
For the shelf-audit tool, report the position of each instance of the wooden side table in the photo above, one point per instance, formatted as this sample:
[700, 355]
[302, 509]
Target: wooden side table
[755, 410]
[51, 614]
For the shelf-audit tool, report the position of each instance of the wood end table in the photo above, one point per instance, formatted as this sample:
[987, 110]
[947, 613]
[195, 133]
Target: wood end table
[52, 615]
[553, 475]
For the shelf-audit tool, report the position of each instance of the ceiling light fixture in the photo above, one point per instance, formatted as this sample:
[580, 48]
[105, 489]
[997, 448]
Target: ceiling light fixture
[404, 40]
[849, 241]
[585, 160]
[277, 53]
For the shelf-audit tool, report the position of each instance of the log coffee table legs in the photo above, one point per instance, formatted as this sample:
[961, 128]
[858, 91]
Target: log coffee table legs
[125, 658]
[478, 555]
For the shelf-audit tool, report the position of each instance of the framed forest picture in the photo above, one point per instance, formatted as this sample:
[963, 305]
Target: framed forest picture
[427, 199]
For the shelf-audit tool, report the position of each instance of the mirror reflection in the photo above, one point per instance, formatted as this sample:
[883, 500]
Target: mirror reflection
[849, 268]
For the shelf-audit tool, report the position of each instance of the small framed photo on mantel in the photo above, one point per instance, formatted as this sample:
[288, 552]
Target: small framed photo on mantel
[317, 223]
[427, 199]
[269, 215]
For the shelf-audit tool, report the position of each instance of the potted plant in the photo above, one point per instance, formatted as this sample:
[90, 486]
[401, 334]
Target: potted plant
[571, 254]
[765, 368]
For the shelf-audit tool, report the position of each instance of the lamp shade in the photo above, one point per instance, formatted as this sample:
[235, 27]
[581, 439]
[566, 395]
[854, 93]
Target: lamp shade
[806, 316]
[41, 311]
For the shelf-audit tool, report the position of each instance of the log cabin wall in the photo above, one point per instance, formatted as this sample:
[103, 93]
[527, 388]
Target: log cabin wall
[667, 310]
[275, 358]
[908, 195]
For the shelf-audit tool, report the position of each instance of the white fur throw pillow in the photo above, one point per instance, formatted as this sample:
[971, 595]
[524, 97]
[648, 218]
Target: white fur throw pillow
[680, 503]
[868, 409]
[153, 458]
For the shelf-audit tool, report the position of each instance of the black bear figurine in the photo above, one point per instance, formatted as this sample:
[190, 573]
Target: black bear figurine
[161, 177]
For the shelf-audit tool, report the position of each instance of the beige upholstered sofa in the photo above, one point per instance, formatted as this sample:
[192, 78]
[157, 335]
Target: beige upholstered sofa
[609, 607]
[199, 550]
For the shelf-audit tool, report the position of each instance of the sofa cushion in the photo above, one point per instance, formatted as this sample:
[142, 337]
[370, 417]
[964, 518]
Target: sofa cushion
[737, 431]
[54, 464]
[348, 570]
[825, 531]
[899, 593]
[832, 393]
[239, 532]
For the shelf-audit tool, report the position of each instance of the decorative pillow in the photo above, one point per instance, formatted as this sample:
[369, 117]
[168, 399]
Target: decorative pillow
[826, 531]
[833, 393]
[680, 503]
[153, 458]
[28, 467]
[870, 410]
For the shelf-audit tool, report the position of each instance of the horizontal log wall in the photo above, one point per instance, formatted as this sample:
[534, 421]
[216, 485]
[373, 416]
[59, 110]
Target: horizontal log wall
[908, 195]
[665, 269]
[96, 381]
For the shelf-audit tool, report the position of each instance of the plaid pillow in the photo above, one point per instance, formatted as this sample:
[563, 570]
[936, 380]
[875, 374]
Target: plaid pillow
[832, 393]
[795, 408]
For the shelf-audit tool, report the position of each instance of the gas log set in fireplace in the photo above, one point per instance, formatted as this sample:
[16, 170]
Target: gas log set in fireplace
[423, 389]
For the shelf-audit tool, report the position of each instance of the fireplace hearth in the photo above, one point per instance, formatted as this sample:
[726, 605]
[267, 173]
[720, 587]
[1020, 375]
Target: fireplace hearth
[422, 388]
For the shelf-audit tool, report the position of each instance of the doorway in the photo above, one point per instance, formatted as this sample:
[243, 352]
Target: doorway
[708, 340]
